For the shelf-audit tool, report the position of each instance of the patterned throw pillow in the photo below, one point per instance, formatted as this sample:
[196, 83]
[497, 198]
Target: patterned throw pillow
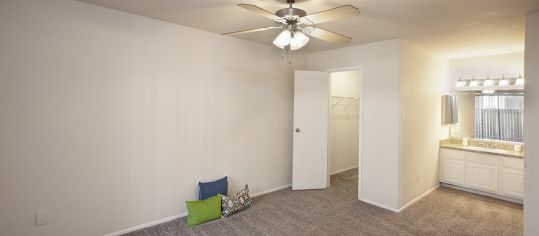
[235, 203]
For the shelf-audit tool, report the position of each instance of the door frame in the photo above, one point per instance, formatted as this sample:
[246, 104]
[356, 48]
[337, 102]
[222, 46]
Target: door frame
[359, 68]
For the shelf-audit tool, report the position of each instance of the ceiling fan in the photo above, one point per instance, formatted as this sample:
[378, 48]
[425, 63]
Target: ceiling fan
[295, 25]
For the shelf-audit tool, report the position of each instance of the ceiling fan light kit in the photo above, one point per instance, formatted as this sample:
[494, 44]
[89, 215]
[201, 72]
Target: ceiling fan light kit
[283, 39]
[298, 40]
[296, 26]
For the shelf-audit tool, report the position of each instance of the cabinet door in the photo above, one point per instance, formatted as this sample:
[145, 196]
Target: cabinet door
[512, 183]
[482, 177]
[453, 171]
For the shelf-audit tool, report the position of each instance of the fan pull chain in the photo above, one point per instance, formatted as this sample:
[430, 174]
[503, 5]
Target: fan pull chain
[289, 56]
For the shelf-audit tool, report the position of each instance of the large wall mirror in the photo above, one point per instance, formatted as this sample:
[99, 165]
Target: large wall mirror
[497, 116]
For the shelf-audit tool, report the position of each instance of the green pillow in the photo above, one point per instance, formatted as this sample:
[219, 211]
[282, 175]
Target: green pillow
[201, 211]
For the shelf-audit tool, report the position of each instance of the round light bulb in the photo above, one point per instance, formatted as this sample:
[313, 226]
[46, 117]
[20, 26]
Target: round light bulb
[489, 82]
[474, 83]
[461, 83]
[504, 82]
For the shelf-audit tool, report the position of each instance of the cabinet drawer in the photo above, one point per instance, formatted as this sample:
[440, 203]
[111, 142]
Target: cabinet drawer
[452, 154]
[513, 163]
[484, 159]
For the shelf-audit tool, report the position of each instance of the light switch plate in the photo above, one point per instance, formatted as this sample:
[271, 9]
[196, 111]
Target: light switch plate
[41, 217]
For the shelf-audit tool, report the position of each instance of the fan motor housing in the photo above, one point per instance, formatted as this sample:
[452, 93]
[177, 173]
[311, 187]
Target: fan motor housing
[291, 13]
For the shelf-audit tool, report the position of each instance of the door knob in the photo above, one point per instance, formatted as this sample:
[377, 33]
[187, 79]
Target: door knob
[297, 130]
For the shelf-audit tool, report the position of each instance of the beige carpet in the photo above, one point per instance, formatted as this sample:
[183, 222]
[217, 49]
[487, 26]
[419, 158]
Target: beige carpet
[336, 211]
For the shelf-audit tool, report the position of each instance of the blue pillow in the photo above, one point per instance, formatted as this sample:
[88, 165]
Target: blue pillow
[210, 189]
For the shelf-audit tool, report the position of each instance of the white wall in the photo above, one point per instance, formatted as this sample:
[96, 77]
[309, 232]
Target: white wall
[531, 126]
[422, 78]
[345, 83]
[344, 120]
[380, 94]
[110, 119]
[496, 66]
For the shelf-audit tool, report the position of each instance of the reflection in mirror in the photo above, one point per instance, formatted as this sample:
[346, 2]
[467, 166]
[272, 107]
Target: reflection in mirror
[496, 116]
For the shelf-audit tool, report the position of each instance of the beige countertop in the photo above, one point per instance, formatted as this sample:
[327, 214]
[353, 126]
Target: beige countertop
[500, 152]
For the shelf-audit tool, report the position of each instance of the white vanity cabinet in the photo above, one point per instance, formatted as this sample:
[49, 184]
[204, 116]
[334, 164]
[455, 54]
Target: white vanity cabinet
[453, 166]
[493, 174]
[482, 172]
[512, 178]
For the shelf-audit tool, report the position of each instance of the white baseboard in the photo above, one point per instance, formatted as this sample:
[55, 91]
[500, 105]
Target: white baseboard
[270, 190]
[184, 214]
[343, 170]
[509, 199]
[402, 208]
[418, 198]
[145, 225]
[380, 205]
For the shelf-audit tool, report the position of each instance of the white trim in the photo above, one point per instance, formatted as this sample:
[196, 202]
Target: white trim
[271, 190]
[184, 214]
[342, 170]
[146, 225]
[345, 68]
[478, 192]
[418, 198]
[402, 208]
[380, 205]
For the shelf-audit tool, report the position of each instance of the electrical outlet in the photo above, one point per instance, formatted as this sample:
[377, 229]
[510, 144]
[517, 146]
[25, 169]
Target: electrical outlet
[418, 177]
[41, 217]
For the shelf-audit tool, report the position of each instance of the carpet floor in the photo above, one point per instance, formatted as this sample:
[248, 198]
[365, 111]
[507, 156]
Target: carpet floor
[336, 211]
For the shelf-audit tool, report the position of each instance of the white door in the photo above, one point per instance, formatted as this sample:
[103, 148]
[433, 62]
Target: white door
[310, 148]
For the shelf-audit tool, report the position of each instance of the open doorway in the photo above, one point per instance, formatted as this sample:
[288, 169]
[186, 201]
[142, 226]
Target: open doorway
[344, 125]
[344, 121]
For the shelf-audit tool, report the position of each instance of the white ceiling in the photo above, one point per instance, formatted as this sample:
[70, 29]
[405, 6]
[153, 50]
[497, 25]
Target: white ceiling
[455, 28]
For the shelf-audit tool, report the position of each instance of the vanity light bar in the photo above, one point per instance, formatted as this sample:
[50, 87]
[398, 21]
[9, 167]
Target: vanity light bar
[490, 82]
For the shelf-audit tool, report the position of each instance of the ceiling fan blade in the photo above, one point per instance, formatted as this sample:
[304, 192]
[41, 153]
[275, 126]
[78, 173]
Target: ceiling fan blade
[260, 11]
[331, 14]
[327, 35]
[252, 30]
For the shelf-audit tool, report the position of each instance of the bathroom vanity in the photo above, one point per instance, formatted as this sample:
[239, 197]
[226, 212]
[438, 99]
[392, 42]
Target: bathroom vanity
[486, 169]
[484, 153]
